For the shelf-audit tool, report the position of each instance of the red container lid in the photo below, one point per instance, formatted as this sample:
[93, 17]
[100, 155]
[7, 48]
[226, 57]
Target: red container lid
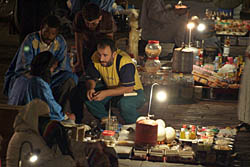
[153, 42]
[108, 133]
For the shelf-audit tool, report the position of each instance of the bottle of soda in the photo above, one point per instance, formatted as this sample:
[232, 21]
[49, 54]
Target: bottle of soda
[226, 50]
[201, 57]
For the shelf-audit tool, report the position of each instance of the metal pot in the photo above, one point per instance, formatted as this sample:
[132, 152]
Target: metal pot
[182, 60]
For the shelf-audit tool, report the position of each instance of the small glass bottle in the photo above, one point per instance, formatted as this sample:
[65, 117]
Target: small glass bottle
[182, 133]
[226, 49]
[201, 57]
[193, 133]
[187, 135]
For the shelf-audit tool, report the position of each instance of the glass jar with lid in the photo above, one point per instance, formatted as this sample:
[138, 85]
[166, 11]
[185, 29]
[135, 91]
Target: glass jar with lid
[153, 50]
[108, 136]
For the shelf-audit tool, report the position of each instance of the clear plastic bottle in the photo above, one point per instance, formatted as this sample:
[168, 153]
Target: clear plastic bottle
[216, 63]
[112, 124]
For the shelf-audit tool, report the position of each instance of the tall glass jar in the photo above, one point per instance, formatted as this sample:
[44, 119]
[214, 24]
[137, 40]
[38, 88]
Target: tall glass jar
[152, 65]
[153, 50]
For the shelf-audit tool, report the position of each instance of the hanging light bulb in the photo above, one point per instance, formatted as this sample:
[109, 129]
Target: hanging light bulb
[201, 27]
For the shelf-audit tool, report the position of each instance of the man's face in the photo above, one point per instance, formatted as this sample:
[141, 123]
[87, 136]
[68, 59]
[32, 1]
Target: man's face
[48, 34]
[92, 24]
[106, 57]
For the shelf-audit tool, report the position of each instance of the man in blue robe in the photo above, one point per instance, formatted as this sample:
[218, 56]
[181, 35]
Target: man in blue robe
[47, 39]
[35, 85]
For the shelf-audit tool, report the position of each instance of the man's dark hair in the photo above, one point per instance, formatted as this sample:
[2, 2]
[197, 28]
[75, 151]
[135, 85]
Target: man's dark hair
[41, 64]
[91, 12]
[52, 21]
[102, 43]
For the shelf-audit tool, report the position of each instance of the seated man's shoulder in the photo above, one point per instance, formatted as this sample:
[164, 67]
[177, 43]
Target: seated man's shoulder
[60, 38]
[32, 36]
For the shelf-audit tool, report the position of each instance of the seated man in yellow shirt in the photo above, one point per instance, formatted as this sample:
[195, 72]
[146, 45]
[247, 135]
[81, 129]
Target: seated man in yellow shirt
[120, 76]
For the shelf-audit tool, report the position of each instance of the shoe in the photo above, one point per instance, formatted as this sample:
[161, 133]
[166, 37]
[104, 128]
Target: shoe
[243, 127]
[68, 123]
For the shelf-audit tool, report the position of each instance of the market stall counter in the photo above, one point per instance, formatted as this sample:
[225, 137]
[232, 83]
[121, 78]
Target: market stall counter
[208, 146]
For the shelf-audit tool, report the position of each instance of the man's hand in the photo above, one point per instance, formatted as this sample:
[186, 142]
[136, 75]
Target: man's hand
[98, 96]
[77, 67]
[90, 94]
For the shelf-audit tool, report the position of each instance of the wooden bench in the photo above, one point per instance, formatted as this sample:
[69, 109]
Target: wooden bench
[7, 117]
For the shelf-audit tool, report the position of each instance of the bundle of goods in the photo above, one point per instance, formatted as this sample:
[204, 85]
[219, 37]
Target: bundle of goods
[213, 79]
[231, 27]
[207, 77]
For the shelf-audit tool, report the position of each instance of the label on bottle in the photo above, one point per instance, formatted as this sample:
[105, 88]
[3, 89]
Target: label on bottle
[226, 51]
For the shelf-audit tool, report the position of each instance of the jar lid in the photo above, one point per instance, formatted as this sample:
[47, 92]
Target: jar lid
[108, 133]
[153, 41]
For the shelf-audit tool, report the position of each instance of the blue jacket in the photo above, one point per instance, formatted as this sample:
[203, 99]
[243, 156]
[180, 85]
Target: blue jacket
[25, 89]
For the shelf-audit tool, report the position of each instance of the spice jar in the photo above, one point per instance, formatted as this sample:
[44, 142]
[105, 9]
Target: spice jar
[153, 50]
[108, 136]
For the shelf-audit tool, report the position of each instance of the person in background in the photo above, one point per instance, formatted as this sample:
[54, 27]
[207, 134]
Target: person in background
[26, 129]
[119, 75]
[244, 96]
[47, 39]
[162, 22]
[89, 25]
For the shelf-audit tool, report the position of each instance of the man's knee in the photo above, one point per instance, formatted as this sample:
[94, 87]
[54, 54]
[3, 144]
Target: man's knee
[69, 84]
[128, 110]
